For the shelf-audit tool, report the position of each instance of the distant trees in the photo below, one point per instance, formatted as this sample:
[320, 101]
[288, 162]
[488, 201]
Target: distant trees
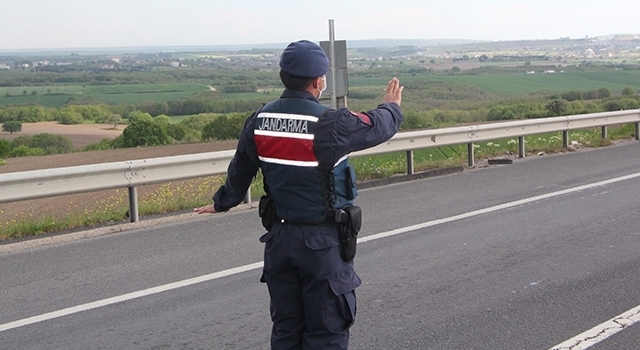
[113, 119]
[27, 114]
[40, 144]
[628, 92]
[225, 127]
[69, 116]
[501, 113]
[143, 131]
[12, 126]
[5, 148]
[574, 95]
[556, 107]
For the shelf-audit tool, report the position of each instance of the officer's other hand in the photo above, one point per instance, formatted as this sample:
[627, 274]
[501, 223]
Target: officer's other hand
[206, 209]
[393, 92]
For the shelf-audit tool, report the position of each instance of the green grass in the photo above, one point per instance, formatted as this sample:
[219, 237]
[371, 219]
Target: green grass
[521, 84]
[57, 95]
[248, 96]
[41, 90]
[504, 84]
[138, 97]
[144, 88]
[44, 100]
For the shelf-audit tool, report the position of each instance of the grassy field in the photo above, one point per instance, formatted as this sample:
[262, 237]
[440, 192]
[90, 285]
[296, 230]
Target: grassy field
[503, 84]
[58, 95]
[521, 84]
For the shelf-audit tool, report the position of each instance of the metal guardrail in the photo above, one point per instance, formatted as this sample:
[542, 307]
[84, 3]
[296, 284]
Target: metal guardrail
[131, 174]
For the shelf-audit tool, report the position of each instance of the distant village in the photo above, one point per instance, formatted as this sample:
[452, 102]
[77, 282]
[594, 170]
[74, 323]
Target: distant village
[561, 50]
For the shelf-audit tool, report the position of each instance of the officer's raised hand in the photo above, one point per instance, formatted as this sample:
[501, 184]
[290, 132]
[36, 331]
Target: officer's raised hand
[393, 92]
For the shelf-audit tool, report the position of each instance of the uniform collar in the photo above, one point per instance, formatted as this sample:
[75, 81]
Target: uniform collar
[298, 94]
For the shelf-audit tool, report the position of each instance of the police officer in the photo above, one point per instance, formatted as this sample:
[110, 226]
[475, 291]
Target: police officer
[302, 149]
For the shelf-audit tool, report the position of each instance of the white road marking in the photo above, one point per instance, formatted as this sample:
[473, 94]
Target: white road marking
[604, 330]
[494, 208]
[601, 331]
[129, 296]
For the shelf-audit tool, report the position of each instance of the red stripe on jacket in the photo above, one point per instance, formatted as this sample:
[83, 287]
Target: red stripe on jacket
[286, 148]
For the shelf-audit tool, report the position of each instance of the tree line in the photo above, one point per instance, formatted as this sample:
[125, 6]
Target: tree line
[143, 129]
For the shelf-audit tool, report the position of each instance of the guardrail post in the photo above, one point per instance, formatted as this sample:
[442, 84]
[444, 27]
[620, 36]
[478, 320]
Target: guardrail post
[247, 197]
[133, 204]
[470, 154]
[565, 139]
[521, 147]
[604, 132]
[637, 131]
[409, 162]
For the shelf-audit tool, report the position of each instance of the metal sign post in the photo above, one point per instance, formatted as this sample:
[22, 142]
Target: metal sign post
[337, 84]
[332, 50]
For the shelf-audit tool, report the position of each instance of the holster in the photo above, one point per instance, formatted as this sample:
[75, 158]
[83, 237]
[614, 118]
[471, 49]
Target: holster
[350, 219]
[267, 212]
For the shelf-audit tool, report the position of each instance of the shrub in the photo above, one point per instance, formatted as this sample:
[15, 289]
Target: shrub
[24, 151]
[621, 104]
[628, 92]
[501, 113]
[68, 116]
[104, 144]
[5, 148]
[113, 119]
[138, 115]
[178, 132]
[225, 127]
[144, 132]
[556, 107]
[163, 119]
[198, 121]
[48, 143]
[416, 120]
[12, 126]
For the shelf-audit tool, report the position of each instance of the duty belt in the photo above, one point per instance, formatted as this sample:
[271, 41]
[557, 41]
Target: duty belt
[333, 218]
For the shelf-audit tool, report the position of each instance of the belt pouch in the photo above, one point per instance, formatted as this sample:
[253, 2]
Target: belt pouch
[267, 212]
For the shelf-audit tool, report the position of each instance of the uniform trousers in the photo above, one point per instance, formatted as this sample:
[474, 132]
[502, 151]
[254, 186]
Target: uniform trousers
[312, 290]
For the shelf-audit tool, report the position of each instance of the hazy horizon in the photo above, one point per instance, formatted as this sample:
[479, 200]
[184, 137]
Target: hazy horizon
[78, 24]
[361, 43]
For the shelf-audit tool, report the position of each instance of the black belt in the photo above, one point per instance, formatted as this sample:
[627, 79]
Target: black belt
[329, 220]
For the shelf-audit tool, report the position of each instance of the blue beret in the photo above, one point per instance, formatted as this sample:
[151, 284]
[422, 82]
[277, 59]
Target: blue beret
[304, 59]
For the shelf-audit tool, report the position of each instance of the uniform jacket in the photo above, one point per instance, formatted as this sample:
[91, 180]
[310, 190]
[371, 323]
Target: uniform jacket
[302, 148]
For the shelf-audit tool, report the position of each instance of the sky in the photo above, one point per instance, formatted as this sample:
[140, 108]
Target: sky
[62, 24]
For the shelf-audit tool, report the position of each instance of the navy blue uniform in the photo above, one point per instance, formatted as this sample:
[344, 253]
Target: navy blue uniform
[302, 149]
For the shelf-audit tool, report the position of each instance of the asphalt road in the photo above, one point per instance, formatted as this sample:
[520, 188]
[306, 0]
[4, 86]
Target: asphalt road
[521, 256]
